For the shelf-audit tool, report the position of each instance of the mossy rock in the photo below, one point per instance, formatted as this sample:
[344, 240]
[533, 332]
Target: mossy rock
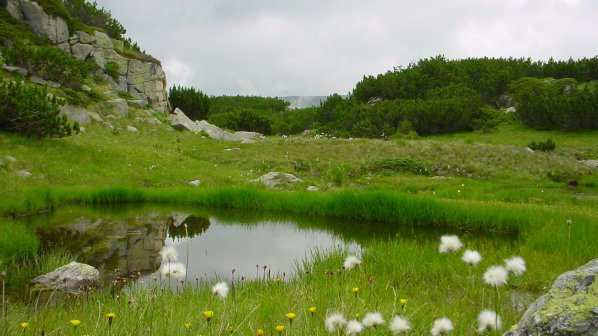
[569, 308]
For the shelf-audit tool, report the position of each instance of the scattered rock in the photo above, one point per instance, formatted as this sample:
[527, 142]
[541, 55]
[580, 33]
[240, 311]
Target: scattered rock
[95, 116]
[247, 141]
[132, 129]
[194, 183]
[591, 163]
[274, 180]
[41, 81]
[312, 188]
[16, 69]
[180, 121]
[23, 173]
[569, 308]
[11, 158]
[119, 106]
[438, 177]
[511, 109]
[76, 114]
[86, 88]
[232, 149]
[529, 150]
[69, 278]
[82, 51]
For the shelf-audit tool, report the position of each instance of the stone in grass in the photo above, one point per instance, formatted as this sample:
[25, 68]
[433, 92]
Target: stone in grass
[275, 180]
[72, 278]
[569, 308]
[132, 129]
[194, 183]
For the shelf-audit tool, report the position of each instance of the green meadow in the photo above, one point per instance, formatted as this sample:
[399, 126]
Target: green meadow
[470, 182]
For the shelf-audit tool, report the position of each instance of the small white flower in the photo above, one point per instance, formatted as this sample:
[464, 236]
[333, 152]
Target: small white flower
[449, 244]
[441, 326]
[173, 269]
[220, 289]
[373, 319]
[471, 257]
[351, 262]
[335, 321]
[515, 265]
[488, 321]
[399, 325]
[496, 276]
[569, 222]
[168, 253]
[354, 327]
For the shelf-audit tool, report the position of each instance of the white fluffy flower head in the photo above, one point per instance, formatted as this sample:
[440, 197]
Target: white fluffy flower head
[496, 276]
[441, 326]
[373, 319]
[334, 321]
[515, 265]
[173, 269]
[168, 253]
[399, 325]
[471, 257]
[220, 289]
[351, 262]
[354, 327]
[488, 321]
[449, 244]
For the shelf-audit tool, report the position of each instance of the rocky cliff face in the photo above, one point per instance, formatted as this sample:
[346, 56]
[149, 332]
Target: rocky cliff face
[144, 80]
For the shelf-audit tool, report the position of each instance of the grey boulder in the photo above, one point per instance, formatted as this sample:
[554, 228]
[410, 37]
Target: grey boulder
[569, 308]
[275, 180]
[72, 278]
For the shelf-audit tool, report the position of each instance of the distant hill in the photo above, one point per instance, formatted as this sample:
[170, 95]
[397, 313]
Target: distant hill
[298, 102]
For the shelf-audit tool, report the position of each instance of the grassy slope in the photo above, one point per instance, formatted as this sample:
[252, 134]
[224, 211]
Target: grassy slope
[506, 186]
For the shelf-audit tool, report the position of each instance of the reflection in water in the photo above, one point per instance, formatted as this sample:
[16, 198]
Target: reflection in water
[208, 247]
[212, 242]
[276, 245]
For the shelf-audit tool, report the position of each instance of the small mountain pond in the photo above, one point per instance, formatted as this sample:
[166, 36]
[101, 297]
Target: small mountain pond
[209, 242]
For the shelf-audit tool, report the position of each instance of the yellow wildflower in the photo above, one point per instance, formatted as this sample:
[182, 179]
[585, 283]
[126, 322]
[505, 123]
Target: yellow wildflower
[75, 323]
[291, 316]
[259, 332]
[24, 325]
[187, 325]
[208, 314]
[279, 328]
[403, 302]
[312, 310]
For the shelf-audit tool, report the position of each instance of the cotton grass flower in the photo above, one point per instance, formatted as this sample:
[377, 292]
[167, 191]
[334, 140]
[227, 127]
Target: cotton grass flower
[488, 321]
[399, 325]
[354, 327]
[351, 262]
[168, 253]
[515, 265]
[175, 270]
[496, 276]
[335, 321]
[471, 258]
[221, 289]
[441, 326]
[449, 244]
[373, 319]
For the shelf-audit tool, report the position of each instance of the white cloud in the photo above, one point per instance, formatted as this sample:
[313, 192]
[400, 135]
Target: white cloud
[314, 47]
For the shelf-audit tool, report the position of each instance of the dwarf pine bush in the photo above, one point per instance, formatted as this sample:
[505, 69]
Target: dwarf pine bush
[30, 110]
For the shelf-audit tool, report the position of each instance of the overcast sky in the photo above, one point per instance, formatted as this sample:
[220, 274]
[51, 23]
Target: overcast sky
[320, 47]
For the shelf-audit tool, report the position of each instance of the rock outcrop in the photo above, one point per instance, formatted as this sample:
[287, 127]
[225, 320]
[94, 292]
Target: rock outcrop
[569, 308]
[74, 277]
[181, 122]
[143, 79]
